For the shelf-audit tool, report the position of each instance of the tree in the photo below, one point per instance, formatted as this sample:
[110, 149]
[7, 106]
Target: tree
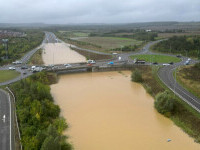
[164, 103]
[136, 76]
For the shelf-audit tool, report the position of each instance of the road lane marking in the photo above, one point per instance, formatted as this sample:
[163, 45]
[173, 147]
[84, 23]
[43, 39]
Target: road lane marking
[189, 103]
[4, 118]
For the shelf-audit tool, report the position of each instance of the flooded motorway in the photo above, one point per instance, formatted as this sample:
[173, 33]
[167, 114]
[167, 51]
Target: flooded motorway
[106, 111]
[60, 53]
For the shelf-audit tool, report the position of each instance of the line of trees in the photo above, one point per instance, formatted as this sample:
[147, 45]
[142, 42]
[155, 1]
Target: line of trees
[38, 116]
[141, 35]
[185, 45]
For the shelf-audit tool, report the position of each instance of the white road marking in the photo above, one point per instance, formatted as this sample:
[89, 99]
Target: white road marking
[4, 118]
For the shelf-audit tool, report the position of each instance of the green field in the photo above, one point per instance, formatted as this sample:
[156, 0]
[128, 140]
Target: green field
[111, 42]
[74, 34]
[6, 75]
[157, 58]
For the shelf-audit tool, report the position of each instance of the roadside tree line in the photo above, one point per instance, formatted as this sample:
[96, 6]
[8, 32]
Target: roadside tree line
[40, 125]
[18, 46]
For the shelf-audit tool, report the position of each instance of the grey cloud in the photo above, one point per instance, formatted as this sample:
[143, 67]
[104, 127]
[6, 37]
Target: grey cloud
[98, 11]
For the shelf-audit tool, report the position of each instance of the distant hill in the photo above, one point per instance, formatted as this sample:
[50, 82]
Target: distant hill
[104, 26]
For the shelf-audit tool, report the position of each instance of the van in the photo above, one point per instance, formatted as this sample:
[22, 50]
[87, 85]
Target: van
[91, 62]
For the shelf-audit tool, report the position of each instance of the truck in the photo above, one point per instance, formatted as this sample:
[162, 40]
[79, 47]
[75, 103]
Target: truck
[137, 61]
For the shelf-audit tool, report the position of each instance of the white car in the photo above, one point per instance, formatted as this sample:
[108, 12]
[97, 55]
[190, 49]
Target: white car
[11, 68]
[91, 62]
[67, 65]
[166, 64]
[17, 62]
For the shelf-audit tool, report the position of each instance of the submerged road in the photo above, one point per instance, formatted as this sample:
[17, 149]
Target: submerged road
[165, 73]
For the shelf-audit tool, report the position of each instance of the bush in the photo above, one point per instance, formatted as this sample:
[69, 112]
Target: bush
[164, 103]
[136, 76]
[197, 66]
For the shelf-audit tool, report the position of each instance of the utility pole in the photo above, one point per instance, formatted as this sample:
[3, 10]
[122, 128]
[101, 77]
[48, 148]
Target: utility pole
[5, 41]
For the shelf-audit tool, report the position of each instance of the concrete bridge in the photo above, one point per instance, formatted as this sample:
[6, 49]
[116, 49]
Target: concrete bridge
[93, 68]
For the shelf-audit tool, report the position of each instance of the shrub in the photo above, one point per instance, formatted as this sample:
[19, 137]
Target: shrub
[136, 76]
[164, 103]
[197, 66]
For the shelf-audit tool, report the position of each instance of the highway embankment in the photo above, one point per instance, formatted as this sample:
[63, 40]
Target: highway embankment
[183, 115]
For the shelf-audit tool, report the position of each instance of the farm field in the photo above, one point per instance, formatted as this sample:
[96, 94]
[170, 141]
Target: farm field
[111, 42]
[157, 58]
[168, 35]
[74, 34]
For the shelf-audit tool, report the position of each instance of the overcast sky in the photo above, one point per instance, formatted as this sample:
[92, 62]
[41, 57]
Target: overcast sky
[98, 11]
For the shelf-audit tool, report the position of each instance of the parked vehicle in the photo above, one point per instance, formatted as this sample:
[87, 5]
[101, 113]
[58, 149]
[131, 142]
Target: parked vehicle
[171, 63]
[155, 63]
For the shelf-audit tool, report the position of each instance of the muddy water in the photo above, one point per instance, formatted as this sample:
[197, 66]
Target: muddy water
[60, 53]
[106, 111]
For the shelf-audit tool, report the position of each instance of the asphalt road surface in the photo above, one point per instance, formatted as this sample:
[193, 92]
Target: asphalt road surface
[167, 77]
[5, 122]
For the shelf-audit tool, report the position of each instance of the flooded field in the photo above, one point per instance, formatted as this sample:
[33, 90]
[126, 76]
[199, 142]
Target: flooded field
[106, 111]
[60, 53]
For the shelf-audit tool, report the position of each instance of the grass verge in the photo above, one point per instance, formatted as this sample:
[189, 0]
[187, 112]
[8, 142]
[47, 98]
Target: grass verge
[157, 58]
[6, 75]
[36, 59]
[188, 77]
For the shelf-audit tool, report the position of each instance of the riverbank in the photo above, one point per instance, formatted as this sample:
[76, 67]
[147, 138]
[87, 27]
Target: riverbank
[183, 115]
[6, 75]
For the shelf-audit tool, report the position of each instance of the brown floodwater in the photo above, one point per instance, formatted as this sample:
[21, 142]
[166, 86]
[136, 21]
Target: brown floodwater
[106, 111]
[60, 53]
